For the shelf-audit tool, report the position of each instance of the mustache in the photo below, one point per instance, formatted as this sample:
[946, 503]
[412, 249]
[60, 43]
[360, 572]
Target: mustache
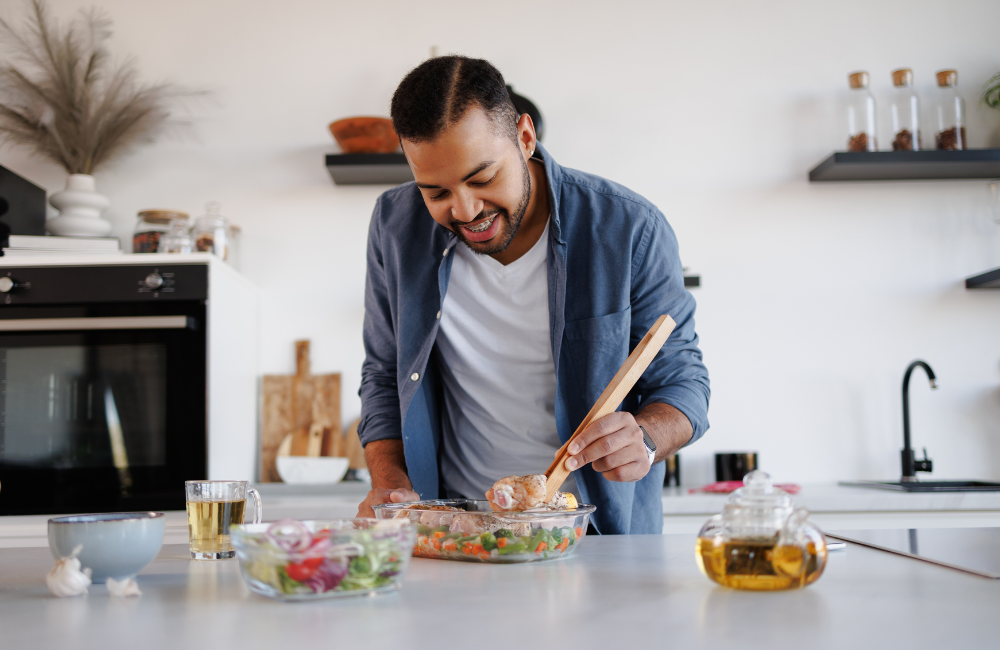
[456, 224]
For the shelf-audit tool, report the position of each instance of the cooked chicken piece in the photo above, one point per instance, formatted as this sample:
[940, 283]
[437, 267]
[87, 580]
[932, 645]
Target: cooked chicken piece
[517, 493]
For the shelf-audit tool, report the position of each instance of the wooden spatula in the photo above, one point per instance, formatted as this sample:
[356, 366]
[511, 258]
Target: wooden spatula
[612, 396]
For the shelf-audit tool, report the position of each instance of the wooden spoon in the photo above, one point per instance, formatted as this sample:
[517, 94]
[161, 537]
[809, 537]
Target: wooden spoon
[612, 396]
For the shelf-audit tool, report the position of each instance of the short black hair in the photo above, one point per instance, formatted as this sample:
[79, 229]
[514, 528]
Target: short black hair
[439, 91]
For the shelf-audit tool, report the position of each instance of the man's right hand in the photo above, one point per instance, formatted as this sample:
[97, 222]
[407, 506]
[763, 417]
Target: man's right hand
[382, 495]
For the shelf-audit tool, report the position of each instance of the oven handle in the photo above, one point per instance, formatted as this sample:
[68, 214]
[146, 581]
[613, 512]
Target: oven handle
[96, 323]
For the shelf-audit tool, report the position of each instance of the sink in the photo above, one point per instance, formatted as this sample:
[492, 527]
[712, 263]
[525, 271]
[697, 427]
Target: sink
[927, 486]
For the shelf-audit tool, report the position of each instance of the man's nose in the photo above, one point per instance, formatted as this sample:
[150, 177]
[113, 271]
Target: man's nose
[466, 208]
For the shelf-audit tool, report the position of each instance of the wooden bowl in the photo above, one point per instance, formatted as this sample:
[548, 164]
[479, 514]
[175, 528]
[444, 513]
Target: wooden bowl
[365, 135]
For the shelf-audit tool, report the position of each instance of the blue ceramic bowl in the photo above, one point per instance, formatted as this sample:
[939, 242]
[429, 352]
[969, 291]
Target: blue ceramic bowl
[115, 544]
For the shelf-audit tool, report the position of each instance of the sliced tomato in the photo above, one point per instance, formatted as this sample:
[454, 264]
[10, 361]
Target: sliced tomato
[303, 570]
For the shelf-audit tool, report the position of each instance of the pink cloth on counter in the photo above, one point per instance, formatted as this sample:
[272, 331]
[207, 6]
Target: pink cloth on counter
[725, 487]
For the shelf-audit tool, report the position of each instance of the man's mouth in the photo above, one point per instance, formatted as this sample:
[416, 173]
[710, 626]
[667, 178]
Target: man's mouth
[485, 230]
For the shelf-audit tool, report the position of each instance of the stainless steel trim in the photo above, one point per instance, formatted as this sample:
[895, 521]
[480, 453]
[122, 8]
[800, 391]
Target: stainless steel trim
[96, 323]
[955, 567]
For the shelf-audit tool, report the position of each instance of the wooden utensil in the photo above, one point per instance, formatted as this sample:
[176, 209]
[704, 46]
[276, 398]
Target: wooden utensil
[612, 396]
[304, 408]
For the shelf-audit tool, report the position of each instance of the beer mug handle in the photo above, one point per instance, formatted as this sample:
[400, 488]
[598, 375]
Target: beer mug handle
[258, 510]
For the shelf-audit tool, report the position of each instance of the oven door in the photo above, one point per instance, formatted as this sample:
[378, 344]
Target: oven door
[102, 408]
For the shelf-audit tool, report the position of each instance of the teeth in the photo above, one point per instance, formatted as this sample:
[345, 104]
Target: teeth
[483, 226]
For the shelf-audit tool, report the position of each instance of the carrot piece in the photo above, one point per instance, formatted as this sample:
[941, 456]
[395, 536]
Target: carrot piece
[563, 544]
[542, 546]
[438, 534]
[579, 532]
[501, 542]
[449, 545]
[437, 545]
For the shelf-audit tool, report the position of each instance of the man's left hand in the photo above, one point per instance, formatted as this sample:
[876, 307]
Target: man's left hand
[613, 445]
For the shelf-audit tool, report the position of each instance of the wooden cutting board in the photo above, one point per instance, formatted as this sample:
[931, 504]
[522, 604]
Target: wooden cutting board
[304, 405]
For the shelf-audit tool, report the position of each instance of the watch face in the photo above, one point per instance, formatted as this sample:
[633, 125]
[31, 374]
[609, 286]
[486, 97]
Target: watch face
[650, 445]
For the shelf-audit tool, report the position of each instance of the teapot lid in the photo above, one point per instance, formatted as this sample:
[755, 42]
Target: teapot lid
[759, 493]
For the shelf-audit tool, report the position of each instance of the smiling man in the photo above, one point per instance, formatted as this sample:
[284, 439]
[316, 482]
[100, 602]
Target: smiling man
[503, 293]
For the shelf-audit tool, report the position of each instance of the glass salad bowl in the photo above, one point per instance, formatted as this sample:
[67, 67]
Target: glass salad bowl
[468, 530]
[311, 560]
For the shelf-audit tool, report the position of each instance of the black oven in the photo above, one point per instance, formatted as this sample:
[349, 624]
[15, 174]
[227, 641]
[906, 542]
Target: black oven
[102, 387]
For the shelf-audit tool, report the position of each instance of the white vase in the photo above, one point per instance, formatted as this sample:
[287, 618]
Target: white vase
[80, 208]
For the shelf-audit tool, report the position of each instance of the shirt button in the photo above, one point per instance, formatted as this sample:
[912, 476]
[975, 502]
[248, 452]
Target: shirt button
[445, 253]
[415, 376]
[438, 316]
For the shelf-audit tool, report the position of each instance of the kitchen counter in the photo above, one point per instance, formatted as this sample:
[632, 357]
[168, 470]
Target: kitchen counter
[834, 507]
[628, 592]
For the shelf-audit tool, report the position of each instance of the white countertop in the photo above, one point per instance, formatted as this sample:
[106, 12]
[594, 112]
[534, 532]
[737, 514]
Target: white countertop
[616, 592]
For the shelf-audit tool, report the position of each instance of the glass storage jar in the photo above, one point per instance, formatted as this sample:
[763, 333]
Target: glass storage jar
[905, 110]
[949, 112]
[212, 231]
[151, 226]
[177, 239]
[860, 114]
[761, 542]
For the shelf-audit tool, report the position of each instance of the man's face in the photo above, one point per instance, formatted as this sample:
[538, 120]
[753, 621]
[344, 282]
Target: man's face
[474, 181]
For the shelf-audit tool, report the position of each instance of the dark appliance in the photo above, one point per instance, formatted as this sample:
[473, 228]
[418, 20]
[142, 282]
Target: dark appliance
[22, 205]
[103, 400]
[734, 465]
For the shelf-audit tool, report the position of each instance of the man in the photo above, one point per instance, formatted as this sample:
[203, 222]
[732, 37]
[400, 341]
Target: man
[503, 293]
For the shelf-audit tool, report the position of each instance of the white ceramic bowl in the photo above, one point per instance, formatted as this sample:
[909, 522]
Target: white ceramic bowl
[312, 470]
[115, 544]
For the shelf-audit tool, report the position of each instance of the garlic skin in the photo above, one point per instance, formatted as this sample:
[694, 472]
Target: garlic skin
[123, 588]
[66, 579]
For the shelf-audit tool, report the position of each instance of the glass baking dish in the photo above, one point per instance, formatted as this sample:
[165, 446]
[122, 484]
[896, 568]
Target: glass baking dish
[469, 531]
[313, 560]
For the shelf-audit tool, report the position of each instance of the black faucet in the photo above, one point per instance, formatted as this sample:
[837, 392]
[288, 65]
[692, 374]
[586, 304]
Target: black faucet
[911, 465]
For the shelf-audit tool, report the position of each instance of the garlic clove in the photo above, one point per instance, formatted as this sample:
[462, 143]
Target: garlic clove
[66, 579]
[123, 588]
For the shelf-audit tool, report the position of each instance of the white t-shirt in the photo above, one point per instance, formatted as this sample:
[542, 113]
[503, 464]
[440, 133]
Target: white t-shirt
[496, 365]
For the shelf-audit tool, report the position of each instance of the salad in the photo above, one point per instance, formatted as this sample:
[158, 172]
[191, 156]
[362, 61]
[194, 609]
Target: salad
[303, 560]
[469, 530]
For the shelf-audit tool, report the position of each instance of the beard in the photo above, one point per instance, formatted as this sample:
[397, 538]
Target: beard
[509, 222]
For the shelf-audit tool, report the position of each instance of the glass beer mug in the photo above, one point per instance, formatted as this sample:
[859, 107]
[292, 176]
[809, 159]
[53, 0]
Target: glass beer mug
[761, 542]
[212, 507]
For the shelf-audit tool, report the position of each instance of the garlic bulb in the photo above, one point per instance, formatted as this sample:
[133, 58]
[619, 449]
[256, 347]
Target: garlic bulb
[66, 578]
[123, 588]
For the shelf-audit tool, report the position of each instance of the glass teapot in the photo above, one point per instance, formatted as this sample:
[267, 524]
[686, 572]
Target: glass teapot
[761, 542]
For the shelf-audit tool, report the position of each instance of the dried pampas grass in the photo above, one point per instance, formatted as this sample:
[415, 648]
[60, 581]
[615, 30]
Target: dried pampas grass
[62, 96]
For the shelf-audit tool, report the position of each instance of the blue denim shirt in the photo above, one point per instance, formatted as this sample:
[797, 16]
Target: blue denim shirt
[613, 269]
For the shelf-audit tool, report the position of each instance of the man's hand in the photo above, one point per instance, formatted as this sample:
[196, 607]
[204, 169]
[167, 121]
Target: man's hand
[613, 445]
[390, 484]
[382, 495]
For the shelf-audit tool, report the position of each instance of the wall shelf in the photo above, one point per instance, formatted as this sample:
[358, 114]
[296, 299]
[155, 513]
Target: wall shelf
[987, 280]
[368, 168]
[908, 165]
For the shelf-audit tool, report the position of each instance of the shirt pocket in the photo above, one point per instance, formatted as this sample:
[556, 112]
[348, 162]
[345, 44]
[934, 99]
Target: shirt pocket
[592, 352]
[610, 328]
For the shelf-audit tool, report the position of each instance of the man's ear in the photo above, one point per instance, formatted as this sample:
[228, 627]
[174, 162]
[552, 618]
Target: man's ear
[526, 140]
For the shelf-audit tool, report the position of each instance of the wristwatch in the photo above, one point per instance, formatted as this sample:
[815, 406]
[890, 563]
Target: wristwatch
[650, 445]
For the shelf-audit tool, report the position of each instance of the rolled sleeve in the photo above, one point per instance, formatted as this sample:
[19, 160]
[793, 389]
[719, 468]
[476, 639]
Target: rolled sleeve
[677, 376]
[380, 411]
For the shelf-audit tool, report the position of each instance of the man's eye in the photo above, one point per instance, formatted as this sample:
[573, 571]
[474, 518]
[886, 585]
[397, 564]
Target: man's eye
[439, 196]
[483, 183]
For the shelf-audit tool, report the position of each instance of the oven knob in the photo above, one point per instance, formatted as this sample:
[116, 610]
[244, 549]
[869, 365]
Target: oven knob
[6, 284]
[153, 280]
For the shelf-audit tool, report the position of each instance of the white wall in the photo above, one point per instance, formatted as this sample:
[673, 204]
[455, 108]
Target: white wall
[814, 297]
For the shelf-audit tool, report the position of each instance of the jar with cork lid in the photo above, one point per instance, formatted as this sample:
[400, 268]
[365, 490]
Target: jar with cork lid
[152, 225]
[949, 113]
[905, 110]
[860, 114]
